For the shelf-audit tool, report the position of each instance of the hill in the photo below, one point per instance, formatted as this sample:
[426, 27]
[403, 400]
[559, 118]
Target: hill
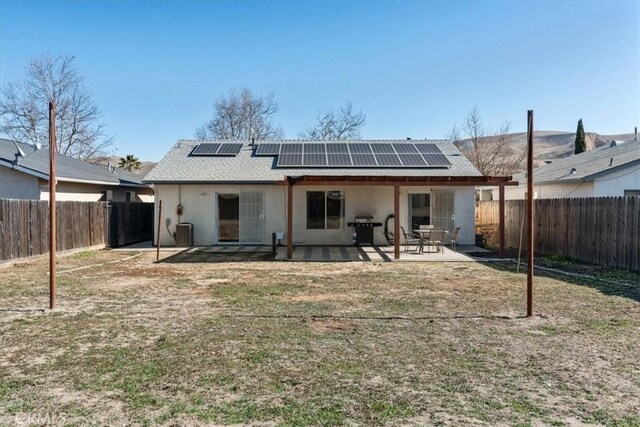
[549, 145]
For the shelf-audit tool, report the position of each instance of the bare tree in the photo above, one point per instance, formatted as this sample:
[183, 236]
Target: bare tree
[242, 115]
[336, 125]
[24, 109]
[493, 154]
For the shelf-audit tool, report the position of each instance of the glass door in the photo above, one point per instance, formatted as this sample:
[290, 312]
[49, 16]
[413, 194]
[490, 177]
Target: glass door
[419, 210]
[251, 218]
[228, 217]
[443, 211]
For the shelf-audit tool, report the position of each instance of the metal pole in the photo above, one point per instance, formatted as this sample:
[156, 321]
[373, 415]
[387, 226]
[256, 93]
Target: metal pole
[530, 242]
[159, 228]
[52, 206]
[396, 222]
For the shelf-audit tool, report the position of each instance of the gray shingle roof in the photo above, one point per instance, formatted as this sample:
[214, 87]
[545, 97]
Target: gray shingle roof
[586, 166]
[67, 168]
[178, 166]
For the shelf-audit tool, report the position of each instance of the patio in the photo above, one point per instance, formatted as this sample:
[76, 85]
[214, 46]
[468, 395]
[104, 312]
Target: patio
[376, 254]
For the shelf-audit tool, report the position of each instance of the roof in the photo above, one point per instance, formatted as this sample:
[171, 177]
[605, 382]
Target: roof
[36, 162]
[588, 165]
[178, 167]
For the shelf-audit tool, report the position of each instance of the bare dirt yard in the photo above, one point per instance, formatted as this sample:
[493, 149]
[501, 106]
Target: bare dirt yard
[197, 341]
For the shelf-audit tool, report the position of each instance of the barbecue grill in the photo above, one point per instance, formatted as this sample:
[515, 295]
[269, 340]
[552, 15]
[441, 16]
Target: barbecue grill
[363, 226]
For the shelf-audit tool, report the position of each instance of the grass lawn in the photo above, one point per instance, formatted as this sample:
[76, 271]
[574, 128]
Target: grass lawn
[189, 342]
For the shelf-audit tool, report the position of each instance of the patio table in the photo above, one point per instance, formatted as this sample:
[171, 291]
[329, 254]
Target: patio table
[425, 234]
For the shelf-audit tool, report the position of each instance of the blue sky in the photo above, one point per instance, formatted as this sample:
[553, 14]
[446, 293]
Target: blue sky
[414, 68]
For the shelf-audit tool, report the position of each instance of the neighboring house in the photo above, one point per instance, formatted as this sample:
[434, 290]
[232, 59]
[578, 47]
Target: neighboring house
[25, 175]
[610, 170]
[241, 193]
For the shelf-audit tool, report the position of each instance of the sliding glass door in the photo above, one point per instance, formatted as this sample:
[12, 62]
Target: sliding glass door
[419, 210]
[240, 218]
[228, 217]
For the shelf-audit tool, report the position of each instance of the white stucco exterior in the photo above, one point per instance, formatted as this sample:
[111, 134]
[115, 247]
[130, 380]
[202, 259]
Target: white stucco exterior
[611, 184]
[199, 208]
[18, 185]
[81, 192]
[615, 183]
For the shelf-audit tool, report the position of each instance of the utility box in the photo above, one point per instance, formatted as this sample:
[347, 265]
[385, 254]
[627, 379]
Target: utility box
[184, 234]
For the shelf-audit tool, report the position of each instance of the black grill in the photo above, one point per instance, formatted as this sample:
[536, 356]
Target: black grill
[363, 227]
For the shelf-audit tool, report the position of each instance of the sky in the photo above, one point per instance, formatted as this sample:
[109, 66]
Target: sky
[414, 68]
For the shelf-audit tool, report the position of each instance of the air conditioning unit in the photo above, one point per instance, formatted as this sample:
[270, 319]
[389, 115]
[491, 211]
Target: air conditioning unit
[184, 234]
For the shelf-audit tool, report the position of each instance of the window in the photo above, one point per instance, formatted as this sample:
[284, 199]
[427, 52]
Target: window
[632, 192]
[325, 210]
[130, 196]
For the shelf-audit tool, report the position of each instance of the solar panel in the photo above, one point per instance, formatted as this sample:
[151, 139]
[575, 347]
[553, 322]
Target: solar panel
[436, 160]
[206, 149]
[290, 159]
[314, 159]
[428, 148]
[339, 159]
[291, 147]
[359, 148]
[364, 160]
[268, 149]
[315, 148]
[414, 159]
[405, 148]
[386, 159]
[229, 149]
[379, 148]
[337, 148]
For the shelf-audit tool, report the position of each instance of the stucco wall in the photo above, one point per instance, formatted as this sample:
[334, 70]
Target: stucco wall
[18, 185]
[80, 192]
[199, 203]
[548, 191]
[614, 184]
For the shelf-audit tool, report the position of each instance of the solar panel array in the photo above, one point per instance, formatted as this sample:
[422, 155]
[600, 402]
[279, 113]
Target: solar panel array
[217, 149]
[355, 154]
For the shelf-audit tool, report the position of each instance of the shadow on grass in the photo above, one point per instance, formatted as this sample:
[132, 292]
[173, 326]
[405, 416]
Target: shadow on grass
[608, 281]
[386, 318]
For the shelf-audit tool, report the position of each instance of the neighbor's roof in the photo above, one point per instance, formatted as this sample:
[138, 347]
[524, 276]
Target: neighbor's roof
[36, 162]
[588, 165]
[178, 166]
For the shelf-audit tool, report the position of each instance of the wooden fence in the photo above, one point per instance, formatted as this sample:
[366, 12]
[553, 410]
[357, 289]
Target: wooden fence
[24, 226]
[598, 230]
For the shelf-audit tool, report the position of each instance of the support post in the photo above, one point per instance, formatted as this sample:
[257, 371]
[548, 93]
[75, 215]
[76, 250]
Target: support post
[396, 221]
[501, 219]
[52, 206]
[289, 219]
[159, 228]
[530, 242]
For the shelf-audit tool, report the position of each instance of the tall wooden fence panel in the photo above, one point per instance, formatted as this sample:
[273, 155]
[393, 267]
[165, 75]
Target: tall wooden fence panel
[597, 230]
[24, 225]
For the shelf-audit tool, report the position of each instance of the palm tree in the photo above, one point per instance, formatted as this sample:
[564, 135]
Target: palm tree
[130, 162]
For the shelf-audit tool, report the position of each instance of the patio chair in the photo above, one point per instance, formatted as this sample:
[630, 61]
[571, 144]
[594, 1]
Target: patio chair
[411, 239]
[436, 238]
[454, 238]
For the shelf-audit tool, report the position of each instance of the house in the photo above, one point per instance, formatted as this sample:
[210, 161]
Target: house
[313, 191]
[24, 174]
[610, 170]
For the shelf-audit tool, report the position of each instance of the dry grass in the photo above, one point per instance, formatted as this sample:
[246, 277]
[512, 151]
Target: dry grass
[196, 343]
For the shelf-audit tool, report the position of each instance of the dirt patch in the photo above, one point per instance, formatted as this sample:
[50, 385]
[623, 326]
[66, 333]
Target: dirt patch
[332, 325]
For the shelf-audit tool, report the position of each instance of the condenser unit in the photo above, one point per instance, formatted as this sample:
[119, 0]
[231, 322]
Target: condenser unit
[184, 234]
